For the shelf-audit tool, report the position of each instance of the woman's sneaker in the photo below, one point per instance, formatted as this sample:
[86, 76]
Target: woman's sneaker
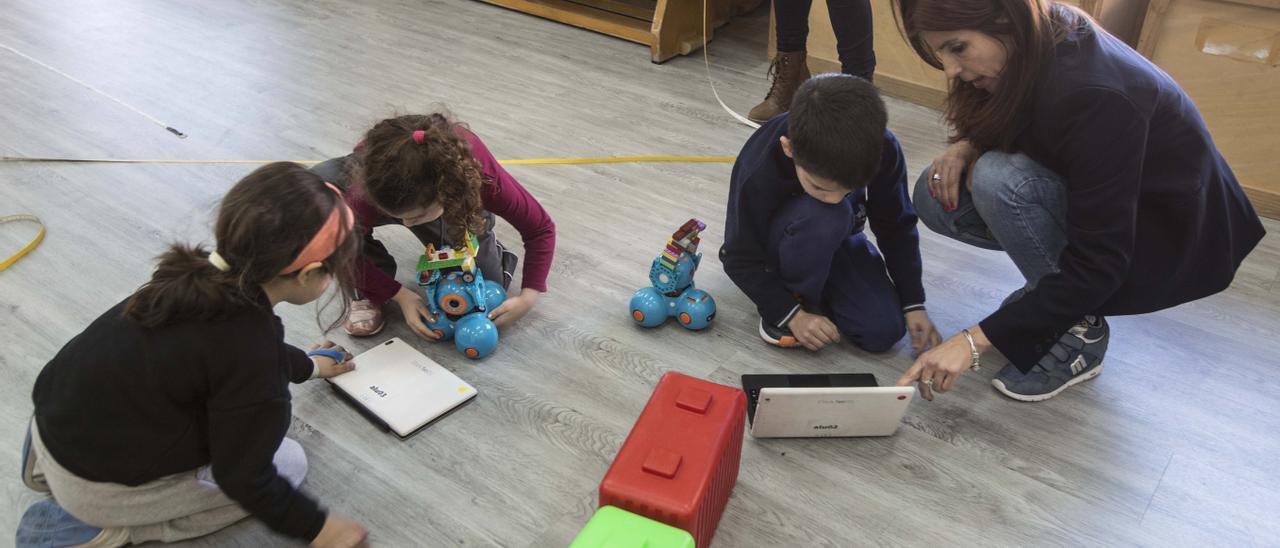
[777, 336]
[47, 525]
[1075, 358]
[364, 319]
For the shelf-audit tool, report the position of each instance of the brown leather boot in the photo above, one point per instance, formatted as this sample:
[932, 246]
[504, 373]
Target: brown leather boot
[788, 71]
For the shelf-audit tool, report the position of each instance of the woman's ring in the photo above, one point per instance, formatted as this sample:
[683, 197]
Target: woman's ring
[937, 176]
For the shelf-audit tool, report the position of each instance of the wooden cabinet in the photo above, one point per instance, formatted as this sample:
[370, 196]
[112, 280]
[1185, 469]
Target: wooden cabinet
[1226, 55]
[668, 27]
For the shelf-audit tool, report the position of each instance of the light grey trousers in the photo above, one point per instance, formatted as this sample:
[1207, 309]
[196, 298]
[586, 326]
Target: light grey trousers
[169, 509]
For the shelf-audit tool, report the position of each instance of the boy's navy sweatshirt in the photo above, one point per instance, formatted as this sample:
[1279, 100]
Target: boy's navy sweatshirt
[764, 180]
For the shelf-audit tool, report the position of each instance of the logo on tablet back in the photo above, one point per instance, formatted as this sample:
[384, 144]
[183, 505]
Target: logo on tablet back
[380, 392]
[825, 426]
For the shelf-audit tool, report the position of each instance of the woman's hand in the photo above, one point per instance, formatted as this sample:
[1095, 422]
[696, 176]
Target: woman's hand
[415, 313]
[514, 308]
[924, 335]
[939, 368]
[949, 171]
[813, 331]
[340, 532]
[329, 367]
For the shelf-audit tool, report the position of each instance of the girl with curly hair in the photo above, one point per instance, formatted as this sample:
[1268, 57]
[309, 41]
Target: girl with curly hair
[434, 176]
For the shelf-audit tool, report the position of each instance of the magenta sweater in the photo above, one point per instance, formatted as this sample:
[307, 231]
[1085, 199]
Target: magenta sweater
[501, 195]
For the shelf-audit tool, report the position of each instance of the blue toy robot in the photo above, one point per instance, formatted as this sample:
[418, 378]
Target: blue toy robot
[672, 294]
[460, 299]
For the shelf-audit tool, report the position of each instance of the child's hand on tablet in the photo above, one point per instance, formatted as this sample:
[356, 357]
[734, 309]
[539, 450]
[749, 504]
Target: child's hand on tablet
[327, 365]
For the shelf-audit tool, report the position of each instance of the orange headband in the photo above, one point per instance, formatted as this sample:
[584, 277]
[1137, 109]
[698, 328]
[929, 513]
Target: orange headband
[325, 242]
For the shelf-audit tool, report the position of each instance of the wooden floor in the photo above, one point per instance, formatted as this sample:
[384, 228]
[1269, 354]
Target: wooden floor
[1175, 444]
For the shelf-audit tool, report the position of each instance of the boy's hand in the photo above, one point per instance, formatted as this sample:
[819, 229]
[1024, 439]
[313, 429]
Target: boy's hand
[813, 331]
[924, 335]
[514, 308]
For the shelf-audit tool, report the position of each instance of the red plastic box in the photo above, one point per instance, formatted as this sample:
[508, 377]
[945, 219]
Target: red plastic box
[680, 461]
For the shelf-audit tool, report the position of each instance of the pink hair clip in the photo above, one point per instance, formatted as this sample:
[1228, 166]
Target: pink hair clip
[419, 136]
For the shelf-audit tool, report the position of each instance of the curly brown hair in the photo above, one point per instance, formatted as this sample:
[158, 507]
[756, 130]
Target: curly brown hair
[400, 174]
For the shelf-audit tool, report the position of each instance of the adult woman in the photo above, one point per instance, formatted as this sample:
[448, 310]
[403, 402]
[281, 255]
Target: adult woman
[1084, 162]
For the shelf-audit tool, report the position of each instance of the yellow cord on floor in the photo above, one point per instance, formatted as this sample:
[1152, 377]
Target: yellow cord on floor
[34, 242]
[525, 162]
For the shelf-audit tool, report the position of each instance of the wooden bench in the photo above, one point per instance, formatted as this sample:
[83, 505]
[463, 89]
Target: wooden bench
[668, 27]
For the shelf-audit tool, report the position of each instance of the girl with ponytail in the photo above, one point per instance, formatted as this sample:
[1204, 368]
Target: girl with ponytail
[434, 176]
[166, 418]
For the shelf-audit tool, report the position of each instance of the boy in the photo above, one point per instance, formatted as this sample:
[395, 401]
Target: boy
[802, 189]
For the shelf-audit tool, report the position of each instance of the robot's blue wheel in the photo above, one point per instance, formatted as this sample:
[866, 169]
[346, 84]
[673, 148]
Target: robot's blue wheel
[441, 326]
[648, 307]
[476, 336]
[494, 294]
[695, 309]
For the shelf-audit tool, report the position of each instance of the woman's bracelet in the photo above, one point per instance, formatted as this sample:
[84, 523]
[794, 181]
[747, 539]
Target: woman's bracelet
[974, 356]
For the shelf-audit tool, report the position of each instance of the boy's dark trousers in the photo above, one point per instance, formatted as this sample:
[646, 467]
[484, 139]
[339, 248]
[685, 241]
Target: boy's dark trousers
[836, 271]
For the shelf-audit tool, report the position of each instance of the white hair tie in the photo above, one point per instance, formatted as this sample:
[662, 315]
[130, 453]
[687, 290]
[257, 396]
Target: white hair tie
[218, 262]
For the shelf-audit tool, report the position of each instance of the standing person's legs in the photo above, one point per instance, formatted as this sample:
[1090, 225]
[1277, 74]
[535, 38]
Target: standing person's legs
[791, 22]
[862, 300]
[789, 68]
[169, 509]
[851, 21]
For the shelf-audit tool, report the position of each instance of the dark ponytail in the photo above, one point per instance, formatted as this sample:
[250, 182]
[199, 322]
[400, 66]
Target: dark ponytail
[400, 174]
[263, 223]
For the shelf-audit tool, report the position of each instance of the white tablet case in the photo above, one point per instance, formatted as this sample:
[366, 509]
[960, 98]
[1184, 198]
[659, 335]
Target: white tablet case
[402, 388]
[830, 412]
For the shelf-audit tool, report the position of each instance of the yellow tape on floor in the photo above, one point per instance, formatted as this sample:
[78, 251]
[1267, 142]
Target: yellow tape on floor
[34, 242]
[525, 162]
[529, 161]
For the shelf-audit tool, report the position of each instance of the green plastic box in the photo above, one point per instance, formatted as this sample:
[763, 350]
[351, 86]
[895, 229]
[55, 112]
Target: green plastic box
[613, 527]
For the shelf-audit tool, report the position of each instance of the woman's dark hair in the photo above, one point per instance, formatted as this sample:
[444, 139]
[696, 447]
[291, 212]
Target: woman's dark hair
[1029, 29]
[400, 174]
[263, 224]
[836, 127]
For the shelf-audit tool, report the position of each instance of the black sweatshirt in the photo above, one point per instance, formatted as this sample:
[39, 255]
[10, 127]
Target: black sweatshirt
[126, 404]
[764, 179]
[1155, 217]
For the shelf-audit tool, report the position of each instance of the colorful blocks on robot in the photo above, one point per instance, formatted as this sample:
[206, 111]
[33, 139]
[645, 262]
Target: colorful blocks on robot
[680, 462]
[613, 527]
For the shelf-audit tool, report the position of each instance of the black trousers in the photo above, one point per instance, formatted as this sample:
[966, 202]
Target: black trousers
[851, 20]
